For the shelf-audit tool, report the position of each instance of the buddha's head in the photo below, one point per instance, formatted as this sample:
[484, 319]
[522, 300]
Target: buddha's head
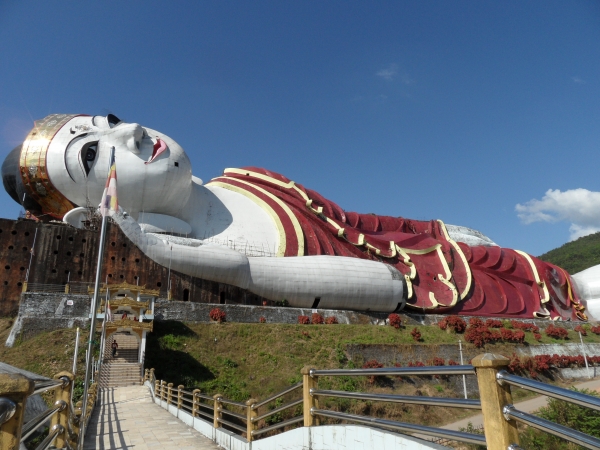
[63, 163]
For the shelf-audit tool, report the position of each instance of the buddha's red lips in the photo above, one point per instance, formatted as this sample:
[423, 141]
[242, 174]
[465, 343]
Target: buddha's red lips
[159, 148]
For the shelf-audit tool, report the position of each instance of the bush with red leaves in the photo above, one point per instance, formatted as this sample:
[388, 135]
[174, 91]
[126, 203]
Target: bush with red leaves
[525, 326]
[416, 334]
[451, 362]
[580, 329]
[596, 330]
[217, 315]
[373, 364]
[475, 322]
[537, 336]
[317, 319]
[453, 323]
[395, 320]
[303, 320]
[332, 320]
[436, 361]
[494, 323]
[415, 364]
[556, 332]
[262, 320]
[544, 363]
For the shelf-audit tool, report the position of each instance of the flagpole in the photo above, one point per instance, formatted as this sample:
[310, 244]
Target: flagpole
[88, 367]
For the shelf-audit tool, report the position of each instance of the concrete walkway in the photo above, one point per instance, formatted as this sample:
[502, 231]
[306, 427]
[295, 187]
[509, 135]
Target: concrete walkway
[526, 406]
[127, 418]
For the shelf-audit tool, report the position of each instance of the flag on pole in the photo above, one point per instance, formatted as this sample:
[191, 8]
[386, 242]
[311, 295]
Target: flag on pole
[109, 204]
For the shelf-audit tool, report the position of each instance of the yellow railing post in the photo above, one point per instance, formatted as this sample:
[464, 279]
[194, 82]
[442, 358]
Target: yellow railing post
[24, 286]
[218, 406]
[14, 390]
[250, 414]
[169, 393]
[146, 376]
[195, 402]
[62, 395]
[180, 395]
[67, 289]
[310, 402]
[156, 388]
[499, 432]
[163, 390]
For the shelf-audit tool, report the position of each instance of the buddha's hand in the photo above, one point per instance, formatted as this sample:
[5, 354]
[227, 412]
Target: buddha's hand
[209, 262]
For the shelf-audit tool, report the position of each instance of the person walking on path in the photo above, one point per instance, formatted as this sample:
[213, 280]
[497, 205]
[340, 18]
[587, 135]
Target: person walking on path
[114, 346]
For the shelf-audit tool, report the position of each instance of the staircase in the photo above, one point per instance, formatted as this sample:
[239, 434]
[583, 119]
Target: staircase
[123, 369]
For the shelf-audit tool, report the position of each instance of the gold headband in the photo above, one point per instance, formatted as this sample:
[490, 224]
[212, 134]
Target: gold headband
[32, 165]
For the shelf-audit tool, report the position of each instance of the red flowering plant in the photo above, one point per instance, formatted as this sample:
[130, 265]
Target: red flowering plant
[395, 320]
[217, 315]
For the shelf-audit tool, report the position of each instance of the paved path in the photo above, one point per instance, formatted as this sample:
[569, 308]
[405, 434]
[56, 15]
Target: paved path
[127, 418]
[526, 406]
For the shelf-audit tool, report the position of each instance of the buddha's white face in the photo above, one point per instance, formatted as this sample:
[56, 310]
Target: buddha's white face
[153, 172]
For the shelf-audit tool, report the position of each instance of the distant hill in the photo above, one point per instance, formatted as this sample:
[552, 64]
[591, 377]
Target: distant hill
[577, 255]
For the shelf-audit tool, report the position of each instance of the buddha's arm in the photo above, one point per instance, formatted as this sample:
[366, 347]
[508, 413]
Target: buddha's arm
[339, 282]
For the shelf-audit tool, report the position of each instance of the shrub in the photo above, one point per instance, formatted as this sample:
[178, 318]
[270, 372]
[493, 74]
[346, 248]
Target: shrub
[217, 315]
[596, 330]
[475, 322]
[317, 319]
[537, 336]
[556, 332]
[416, 334]
[437, 361]
[262, 320]
[332, 320]
[524, 326]
[451, 362]
[580, 329]
[304, 320]
[494, 323]
[395, 320]
[453, 323]
[373, 364]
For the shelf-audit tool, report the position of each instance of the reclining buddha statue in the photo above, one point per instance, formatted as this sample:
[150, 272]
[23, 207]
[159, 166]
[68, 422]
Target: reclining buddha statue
[258, 230]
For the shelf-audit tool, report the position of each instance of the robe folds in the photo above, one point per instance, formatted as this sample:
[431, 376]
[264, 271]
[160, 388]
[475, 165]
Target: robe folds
[442, 276]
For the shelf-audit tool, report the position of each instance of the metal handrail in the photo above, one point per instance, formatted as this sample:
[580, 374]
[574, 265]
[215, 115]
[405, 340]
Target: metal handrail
[275, 396]
[204, 396]
[548, 426]
[403, 426]
[231, 413]
[398, 371]
[276, 410]
[38, 420]
[277, 425]
[551, 391]
[232, 425]
[430, 401]
[55, 431]
[231, 402]
[47, 385]
[202, 413]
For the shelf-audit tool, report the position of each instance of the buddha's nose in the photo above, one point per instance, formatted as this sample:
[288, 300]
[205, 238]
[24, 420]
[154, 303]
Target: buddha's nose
[130, 135]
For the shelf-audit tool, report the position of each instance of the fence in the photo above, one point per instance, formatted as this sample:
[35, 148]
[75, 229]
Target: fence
[499, 415]
[66, 423]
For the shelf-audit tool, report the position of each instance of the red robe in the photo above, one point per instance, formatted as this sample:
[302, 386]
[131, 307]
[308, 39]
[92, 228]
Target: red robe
[442, 276]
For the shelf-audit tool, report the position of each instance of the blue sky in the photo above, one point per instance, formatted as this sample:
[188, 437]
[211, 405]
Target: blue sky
[457, 111]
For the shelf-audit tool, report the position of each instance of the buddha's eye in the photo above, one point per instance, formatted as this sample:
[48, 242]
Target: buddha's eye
[88, 155]
[113, 120]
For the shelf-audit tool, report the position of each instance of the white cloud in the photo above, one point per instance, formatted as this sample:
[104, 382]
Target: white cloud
[389, 73]
[577, 80]
[578, 206]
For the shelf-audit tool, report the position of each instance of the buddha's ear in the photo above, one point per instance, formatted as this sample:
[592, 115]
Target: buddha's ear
[162, 223]
[76, 217]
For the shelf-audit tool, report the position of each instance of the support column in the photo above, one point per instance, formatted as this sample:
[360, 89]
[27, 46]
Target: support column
[218, 406]
[499, 432]
[14, 390]
[310, 402]
[62, 395]
[250, 414]
[142, 347]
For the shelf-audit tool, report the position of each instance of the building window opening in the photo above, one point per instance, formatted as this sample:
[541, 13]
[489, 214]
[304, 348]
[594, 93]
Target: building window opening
[222, 298]
[186, 295]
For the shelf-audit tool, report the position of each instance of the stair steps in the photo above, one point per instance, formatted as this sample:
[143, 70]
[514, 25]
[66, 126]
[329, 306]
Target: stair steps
[123, 369]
